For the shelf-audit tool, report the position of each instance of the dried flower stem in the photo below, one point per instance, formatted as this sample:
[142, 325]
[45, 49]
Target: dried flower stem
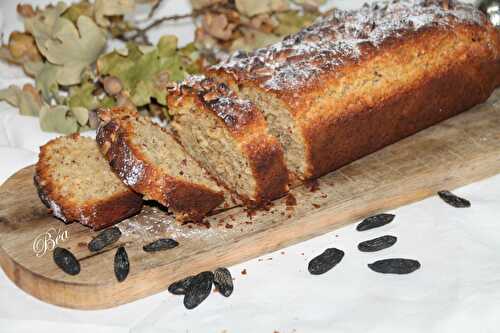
[154, 8]
[140, 34]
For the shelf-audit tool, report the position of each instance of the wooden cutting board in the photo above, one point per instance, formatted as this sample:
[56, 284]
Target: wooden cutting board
[456, 152]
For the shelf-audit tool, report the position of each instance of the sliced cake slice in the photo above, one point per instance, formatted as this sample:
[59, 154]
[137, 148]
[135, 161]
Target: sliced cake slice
[147, 158]
[228, 136]
[74, 180]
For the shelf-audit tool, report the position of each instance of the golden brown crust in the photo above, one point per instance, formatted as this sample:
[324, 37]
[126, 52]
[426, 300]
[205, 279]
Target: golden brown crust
[365, 130]
[247, 126]
[365, 125]
[269, 169]
[300, 64]
[188, 201]
[96, 215]
[330, 56]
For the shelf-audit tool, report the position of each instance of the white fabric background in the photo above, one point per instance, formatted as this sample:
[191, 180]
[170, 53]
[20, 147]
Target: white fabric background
[456, 290]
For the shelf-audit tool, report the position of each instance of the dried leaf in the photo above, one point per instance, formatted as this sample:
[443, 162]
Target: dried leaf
[105, 8]
[204, 41]
[42, 25]
[22, 47]
[25, 100]
[146, 48]
[253, 39]
[191, 58]
[122, 51]
[25, 10]
[5, 54]
[21, 50]
[71, 48]
[78, 9]
[76, 49]
[82, 96]
[309, 4]
[46, 81]
[252, 7]
[293, 21]
[57, 119]
[264, 22]
[32, 68]
[81, 114]
[218, 26]
[145, 75]
[107, 102]
[147, 2]
[199, 4]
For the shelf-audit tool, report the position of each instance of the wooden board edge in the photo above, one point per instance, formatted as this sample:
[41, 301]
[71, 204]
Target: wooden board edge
[94, 297]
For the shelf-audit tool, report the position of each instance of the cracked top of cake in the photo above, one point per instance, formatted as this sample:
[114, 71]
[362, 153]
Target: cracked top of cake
[343, 37]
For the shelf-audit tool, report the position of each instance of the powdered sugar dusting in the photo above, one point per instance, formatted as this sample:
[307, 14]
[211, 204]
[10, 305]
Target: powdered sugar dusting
[155, 223]
[334, 40]
[52, 204]
[224, 106]
[133, 171]
[56, 209]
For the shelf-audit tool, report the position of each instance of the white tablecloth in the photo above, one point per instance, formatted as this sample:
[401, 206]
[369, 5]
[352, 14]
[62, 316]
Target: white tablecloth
[456, 290]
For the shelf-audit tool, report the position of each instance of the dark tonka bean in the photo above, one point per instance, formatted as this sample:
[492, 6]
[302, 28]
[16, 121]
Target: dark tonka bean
[453, 200]
[395, 266]
[223, 281]
[122, 265]
[375, 221]
[325, 261]
[180, 287]
[198, 290]
[377, 244]
[104, 238]
[160, 245]
[66, 261]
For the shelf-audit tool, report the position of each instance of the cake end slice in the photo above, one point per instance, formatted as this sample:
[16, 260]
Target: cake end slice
[74, 180]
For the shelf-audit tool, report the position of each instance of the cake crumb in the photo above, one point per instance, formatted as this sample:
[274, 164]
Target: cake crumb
[312, 185]
[290, 200]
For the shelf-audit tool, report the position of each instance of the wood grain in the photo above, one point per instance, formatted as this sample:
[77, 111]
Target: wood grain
[451, 154]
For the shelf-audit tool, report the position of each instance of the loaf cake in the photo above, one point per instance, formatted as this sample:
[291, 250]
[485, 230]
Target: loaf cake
[147, 158]
[74, 180]
[229, 137]
[358, 80]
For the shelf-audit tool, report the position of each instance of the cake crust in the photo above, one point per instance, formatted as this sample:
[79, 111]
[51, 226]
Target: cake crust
[97, 214]
[188, 201]
[248, 128]
[310, 74]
